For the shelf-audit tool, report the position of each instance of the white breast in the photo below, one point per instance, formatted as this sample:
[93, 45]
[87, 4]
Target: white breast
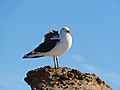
[62, 46]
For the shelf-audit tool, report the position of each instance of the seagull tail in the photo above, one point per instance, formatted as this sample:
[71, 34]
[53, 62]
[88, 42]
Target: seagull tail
[32, 55]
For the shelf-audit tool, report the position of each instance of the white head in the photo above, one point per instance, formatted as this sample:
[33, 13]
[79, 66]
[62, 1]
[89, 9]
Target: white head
[65, 30]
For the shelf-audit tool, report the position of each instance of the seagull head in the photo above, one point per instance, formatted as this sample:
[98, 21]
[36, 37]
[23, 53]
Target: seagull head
[65, 30]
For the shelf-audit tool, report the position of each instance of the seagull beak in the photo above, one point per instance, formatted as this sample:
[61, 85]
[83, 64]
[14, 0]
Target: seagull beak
[68, 31]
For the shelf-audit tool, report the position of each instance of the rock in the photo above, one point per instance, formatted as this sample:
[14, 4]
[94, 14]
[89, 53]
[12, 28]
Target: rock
[63, 78]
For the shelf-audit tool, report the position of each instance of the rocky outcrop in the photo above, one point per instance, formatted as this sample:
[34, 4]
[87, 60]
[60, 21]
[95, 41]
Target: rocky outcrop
[63, 78]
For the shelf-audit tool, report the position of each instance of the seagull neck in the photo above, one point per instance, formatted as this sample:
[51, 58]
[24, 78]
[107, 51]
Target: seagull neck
[63, 37]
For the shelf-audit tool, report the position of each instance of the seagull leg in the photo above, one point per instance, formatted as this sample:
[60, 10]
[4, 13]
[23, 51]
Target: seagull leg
[54, 58]
[57, 61]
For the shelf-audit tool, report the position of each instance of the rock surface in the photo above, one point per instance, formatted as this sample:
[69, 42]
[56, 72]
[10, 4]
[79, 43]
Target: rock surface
[63, 78]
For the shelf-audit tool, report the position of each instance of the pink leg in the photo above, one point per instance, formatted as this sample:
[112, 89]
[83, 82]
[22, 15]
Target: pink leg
[57, 61]
[54, 58]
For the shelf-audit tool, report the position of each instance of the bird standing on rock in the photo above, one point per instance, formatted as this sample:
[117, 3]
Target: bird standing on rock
[54, 44]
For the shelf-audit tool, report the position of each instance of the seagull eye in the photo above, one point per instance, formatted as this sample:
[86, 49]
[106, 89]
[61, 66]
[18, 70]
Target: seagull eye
[68, 31]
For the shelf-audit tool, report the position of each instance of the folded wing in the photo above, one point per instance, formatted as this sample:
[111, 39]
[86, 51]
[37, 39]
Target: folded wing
[50, 41]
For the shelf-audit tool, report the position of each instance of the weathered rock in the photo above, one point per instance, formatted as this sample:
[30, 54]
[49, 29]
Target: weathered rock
[63, 78]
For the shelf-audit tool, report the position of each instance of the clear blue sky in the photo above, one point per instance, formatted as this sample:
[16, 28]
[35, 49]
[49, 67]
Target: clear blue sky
[95, 28]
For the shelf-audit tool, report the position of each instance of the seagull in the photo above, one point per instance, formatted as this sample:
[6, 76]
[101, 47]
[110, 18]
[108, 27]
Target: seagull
[54, 44]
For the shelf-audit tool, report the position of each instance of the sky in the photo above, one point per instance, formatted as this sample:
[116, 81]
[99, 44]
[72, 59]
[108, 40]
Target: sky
[95, 29]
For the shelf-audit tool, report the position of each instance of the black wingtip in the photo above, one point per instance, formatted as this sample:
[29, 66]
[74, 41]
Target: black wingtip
[25, 56]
